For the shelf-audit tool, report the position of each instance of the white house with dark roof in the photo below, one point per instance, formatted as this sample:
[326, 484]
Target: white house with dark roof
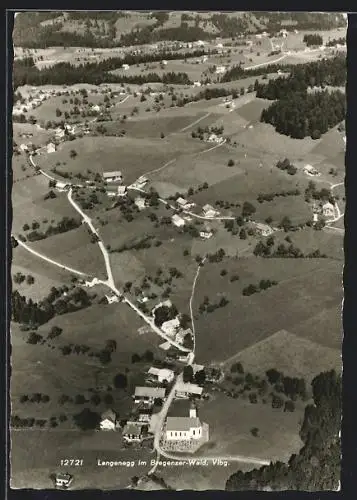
[108, 421]
[133, 432]
[178, 221]
[186, 389]
[328, 210]
[161, 374]
[115, 176]
[148, 394]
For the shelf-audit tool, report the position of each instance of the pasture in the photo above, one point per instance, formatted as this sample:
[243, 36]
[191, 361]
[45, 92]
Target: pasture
[303, 291]
[74, 249]
[28, 204]
[134, 157]
[230, 429]
[290, 354]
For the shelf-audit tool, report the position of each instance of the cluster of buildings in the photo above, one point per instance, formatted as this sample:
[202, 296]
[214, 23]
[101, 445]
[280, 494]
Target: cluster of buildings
[113, 181]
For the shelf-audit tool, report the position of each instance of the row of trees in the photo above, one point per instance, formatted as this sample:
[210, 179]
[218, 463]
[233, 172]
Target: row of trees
[26, 73]
[64, 225]
[263, 285]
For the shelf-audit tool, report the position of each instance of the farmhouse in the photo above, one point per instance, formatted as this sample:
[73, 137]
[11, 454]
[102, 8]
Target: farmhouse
[177, 220]
[61, 186]
[24, 148]
[115, 176]
[214, 138]
[328, 210]
[209, 211]
[148, 394]
[185, 390]
[170, 327]
[310, 170]
[63, 480]
[140, 183]
[197, 84]
[263, 229]
[181, 334]
[140, 202]
[112, 298]
[125, 67]
[161, 374]
[51, 147]
[59, 133]
[108, 422]
[96, 108]
[220, 70]
[184, 203]
[133, 432]
[206, 235]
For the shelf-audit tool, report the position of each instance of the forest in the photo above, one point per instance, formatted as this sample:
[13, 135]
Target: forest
[324, 71]
[317, 466]
[26, 73]
[299, 114]
[296, 112]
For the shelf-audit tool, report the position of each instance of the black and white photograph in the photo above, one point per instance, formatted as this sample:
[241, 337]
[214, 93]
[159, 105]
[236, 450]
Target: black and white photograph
[177, 237]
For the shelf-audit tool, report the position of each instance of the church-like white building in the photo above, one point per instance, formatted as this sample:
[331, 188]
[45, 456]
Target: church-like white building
[184, 428]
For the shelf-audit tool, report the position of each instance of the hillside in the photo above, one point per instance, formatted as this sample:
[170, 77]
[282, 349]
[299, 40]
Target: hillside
[118, 28]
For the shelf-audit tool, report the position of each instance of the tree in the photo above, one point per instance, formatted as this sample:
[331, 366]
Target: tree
[135, 358]
[273, 376]
[248, 209]
[72, 153]
[95, 399]
[285, 223]
[79, 399]
[200, 377]
[54, 332]
[111, 345]
[243, 234]
[230, 163]
[162, 135]
[120, 381]
[188, 374]
[87, 419]
[237, 368]
[254, 431]
[105, 356]
[148, 356]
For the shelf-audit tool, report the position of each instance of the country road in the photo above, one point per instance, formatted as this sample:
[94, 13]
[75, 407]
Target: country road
[191, 303]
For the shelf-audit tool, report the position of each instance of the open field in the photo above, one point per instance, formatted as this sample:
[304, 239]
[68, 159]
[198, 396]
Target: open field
[29, 205]
[55, 374]
[290, 354]
[74, 249]
[37, 456]
[39, 135]
[134, 157]
[230, 429]
[303, 291]
[166, 122]
[45, 272]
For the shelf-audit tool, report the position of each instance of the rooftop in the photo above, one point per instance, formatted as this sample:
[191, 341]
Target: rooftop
[190, 388]
[182, 423]
[154, 392]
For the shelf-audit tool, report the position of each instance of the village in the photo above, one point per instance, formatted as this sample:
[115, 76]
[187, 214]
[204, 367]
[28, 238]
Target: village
[177, 243]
